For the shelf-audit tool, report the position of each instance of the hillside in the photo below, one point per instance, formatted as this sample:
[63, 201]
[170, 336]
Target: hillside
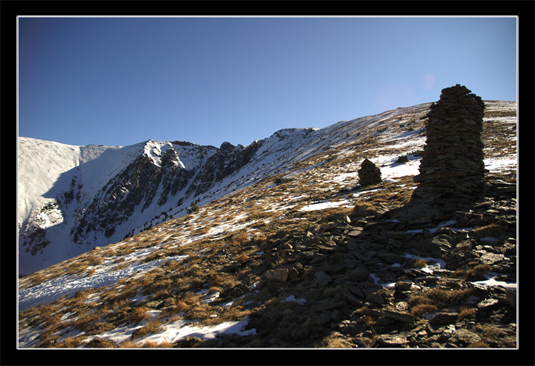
[286, 249]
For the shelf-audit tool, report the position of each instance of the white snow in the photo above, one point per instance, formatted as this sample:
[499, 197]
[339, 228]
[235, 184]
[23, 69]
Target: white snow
[493, 282]
[176, 331]
[181, 329]
[292, 298]
[394, 170]
[55, 288]
[498, 164]
[325, 205]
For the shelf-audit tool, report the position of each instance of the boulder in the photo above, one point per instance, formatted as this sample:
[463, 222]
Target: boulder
[438, 245]
[444, 318]
[321, 278]
[279, 274]
[387, 340]
[359, 274]
[465, 336]
[399, 316]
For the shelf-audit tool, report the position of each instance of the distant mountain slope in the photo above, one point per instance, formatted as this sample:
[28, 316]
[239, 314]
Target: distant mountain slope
[73, 198]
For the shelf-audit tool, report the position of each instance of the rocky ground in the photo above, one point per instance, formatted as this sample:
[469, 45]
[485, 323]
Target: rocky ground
[307, 258]
[354, 281]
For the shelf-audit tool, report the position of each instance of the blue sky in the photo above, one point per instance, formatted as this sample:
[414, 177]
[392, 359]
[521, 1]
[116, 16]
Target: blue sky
[120, 81]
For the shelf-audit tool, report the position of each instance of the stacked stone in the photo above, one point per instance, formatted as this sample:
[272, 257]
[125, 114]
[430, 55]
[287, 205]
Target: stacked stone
[369, 173]
[452, 169]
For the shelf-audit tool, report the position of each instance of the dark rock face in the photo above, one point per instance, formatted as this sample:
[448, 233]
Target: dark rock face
[225, 161]
[369, 173]
[138, 183]
[143, 182]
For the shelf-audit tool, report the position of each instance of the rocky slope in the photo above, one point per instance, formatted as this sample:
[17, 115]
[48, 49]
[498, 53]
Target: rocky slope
[287, 249]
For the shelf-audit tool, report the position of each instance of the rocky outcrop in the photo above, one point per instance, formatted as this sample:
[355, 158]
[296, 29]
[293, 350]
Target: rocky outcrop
[146, 181]
[225, 161]
[137, 185]
[369, 173]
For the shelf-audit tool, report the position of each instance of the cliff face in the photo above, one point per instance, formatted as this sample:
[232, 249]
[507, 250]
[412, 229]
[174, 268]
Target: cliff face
[146, 183]
[225, 161]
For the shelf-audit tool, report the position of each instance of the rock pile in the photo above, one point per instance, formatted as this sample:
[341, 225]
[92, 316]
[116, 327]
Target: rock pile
[452, 170]
[452, 167]
[369, 173]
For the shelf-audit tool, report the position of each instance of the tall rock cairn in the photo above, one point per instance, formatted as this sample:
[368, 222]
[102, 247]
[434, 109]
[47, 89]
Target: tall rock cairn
[452, 169]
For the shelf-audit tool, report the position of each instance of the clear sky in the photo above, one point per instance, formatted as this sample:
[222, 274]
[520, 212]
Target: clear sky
[120, 81]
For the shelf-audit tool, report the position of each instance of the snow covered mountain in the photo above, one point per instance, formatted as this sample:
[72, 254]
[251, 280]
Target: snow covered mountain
[74, 198]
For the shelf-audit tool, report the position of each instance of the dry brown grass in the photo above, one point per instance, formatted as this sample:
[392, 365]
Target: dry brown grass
[336, 340]
[415, 300]
[153, 256]
[417, 263]
[500, 113]
[129, 344]
[421, 309]
[122, 265]
[479, 269]
[493, 230]
[239, 238]
[139, 314]
[242, 258]
[84, 320]
[450, 297]
[478, 345]
[163, 344]
[73, 342]
[467, 312]
[152, 327]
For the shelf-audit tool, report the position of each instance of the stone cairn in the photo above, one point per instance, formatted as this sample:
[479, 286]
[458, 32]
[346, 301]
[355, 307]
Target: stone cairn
[369, 173]
[452, 169]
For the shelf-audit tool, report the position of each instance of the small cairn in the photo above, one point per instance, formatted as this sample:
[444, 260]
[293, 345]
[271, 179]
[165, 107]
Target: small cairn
[369, 173]
[452, 170]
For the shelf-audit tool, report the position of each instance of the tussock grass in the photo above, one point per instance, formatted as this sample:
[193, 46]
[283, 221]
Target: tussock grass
[139, 314]
[449, 297]
[417, 263]
[153, 327]
[73, 342]
[84, 320]
[151, 344]
[242, 258]
[336, 340]
[480, 269]
[467, 312]
[421, 309]
[478, 345]
[129, 344]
